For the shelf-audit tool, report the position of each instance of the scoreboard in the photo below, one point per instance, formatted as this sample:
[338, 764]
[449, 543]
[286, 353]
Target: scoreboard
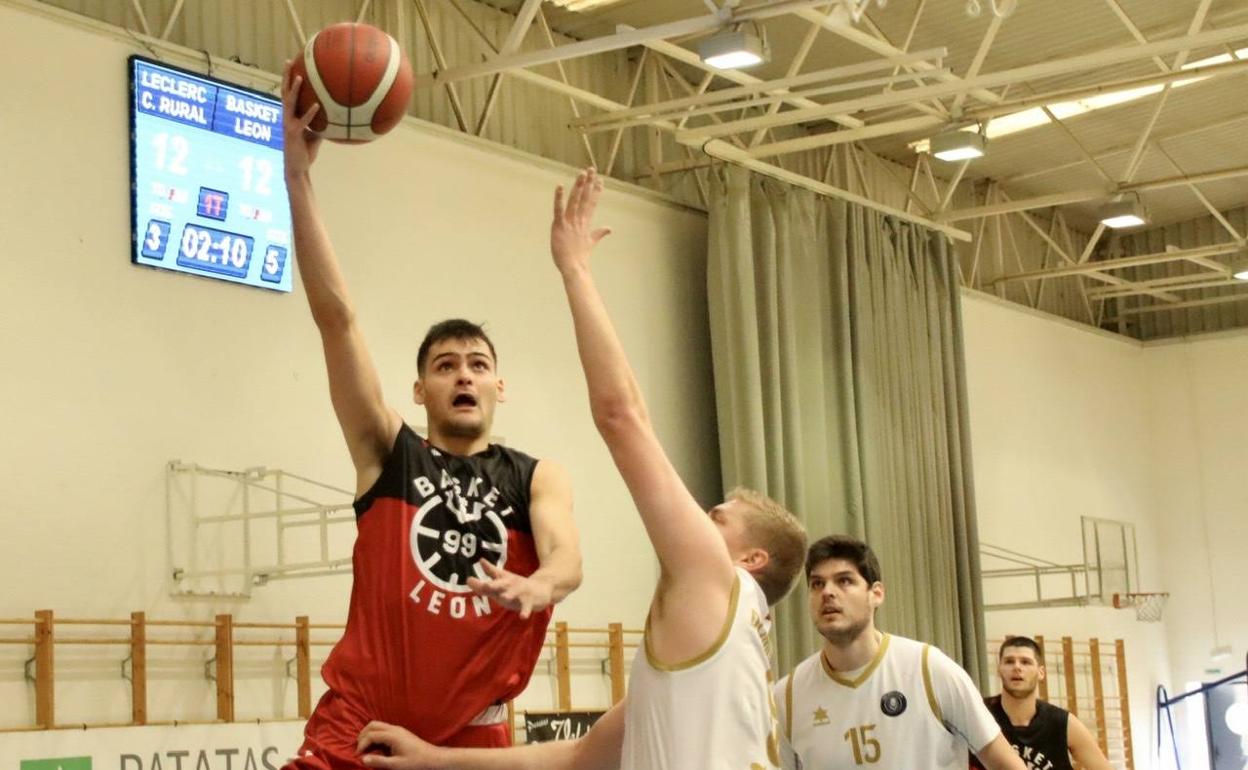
[208, 191]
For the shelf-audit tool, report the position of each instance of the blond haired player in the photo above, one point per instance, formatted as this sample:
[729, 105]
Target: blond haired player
[699, 695]
[873, 699]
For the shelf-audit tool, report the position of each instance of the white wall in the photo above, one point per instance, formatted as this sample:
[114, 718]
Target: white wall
[112, 369]
[1200, 454]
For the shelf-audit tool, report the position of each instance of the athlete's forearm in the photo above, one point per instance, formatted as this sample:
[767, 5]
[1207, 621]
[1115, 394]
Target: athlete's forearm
[560, 571]
[613, 389]
[319, 272]
[555, 755]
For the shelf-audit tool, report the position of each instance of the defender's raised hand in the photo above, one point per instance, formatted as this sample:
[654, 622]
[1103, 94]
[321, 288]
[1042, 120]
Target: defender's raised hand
[572, 234]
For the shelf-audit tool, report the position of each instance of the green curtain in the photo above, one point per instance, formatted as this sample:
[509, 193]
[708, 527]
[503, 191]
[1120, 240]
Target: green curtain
[840, 390]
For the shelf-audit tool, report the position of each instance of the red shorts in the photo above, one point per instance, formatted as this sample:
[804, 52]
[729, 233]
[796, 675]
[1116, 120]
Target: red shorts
[329, 739]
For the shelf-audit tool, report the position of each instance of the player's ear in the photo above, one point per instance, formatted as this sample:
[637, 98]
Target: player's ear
[755, 559]
[502, 390]
[876, 594]
[418, 392]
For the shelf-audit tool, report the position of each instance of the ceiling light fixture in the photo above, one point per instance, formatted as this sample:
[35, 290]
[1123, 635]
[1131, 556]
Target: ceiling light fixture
[733, 49]
[958, 145]
[1128, 212]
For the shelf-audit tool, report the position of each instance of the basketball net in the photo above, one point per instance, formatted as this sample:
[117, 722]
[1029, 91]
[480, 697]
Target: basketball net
[1148, 606]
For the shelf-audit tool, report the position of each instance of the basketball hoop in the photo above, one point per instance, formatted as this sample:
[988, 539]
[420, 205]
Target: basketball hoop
[1148, 606]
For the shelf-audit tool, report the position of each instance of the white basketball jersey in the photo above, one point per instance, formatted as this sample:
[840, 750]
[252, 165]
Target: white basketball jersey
[714, 712]
[910, 707]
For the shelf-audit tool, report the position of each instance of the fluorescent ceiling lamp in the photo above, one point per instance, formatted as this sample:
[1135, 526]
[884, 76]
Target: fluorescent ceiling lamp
[731, 49]
[581, 5]
[1128, 212]
[957, 145]
[1028, 119]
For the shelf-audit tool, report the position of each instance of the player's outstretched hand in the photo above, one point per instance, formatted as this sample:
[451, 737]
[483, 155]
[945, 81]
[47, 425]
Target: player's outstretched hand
[572, 233]
[388, 747]
[524, 595]
[299, 144]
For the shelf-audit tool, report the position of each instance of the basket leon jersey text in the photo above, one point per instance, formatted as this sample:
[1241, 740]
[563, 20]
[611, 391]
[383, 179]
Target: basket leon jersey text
[420, 649]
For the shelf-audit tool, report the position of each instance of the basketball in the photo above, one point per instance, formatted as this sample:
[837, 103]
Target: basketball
[361, 79]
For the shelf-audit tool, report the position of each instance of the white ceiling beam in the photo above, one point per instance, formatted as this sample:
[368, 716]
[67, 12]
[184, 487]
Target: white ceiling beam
[1120, 149]
[1092, 241]
[515, 37]
[1087, 156]
[553, 84]
[1137, 155]
[295, 22]
[838, 22]
[829, 138]
[173, 18]
[673, 51]
[606, 121]
[1134, 30]
[138, 11]
[1188, 282]
[614, 42]
[1213, 210]
[1204, 74]
[439, 60]
[1089, 194]
[1122, 314]
[795, 66]
[1180, 255]
[725, 151]
[524, 20]
[908, 125]
[1069, 65]
[713, 104]
[985, 45]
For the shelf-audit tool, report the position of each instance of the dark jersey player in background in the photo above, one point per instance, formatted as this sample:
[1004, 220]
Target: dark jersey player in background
[463, 546]
[1045, 736]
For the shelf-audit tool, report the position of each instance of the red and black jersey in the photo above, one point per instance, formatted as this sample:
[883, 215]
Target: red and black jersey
[420, 649]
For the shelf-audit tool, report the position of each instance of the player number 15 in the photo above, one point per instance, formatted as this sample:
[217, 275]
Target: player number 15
[866, 748]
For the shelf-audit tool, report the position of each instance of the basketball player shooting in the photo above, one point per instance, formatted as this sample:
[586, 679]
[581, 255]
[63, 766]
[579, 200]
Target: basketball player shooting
[438, 518]
[699, 694]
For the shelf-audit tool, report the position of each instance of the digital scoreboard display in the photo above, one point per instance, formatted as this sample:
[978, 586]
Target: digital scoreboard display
[208, 192]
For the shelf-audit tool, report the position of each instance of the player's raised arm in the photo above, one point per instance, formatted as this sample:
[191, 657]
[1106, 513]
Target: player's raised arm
[368, 425]
[694, 559]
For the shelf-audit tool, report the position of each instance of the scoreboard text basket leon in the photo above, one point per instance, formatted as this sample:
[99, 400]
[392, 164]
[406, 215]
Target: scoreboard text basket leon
[208, 193]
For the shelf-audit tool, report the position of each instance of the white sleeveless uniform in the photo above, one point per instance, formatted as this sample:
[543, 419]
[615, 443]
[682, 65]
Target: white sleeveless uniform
[911, 707]
[714, 712]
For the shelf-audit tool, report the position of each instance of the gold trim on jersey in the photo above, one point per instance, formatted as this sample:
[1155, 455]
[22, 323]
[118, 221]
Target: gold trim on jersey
[866, 672]
[927, 686]
[658, 665]
[788, 706]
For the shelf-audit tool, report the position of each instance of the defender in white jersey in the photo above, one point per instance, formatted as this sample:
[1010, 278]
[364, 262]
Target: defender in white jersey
[700, 691]
[870, 698]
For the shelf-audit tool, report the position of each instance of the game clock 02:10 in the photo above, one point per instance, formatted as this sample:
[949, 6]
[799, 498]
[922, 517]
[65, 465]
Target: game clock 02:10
[207, 188]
